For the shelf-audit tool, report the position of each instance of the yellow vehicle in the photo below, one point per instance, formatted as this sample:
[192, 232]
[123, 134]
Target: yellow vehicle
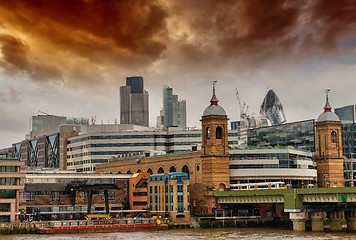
[98, 217]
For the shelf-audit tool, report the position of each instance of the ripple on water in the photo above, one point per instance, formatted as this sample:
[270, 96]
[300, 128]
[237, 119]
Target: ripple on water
[196, 234]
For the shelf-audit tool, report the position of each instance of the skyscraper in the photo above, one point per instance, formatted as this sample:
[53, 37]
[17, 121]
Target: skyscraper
[174, 110]
[272, 109]
[134, 102]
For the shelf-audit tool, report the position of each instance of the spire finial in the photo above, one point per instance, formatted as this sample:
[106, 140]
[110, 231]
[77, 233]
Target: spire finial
[327, 107]
[214, 100]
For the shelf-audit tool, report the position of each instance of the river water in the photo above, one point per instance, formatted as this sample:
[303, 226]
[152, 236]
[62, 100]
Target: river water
[193, 234]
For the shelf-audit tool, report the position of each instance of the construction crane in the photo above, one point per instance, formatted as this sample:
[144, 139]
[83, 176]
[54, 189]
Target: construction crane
[243, 108]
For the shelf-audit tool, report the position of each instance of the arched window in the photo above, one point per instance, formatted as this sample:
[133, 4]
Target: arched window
[138, 171]
[219, 132]
[150, 171]
[172, 169]
[160, 170]
[128, 171]
[207, 132]
[333, 137]
[185, 169]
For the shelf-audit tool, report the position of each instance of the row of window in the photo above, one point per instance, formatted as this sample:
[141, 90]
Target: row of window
[7, 181]
[8, 169]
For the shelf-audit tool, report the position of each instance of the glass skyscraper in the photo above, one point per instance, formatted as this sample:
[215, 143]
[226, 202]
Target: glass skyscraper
[174, 110]
[134, 102]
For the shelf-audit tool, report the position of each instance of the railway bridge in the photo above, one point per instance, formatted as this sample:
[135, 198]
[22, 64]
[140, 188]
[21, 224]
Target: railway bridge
[337, 205]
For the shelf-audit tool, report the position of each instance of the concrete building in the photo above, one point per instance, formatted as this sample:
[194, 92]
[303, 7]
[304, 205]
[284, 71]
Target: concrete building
[174, 110]
[134, 102]
[11, 183]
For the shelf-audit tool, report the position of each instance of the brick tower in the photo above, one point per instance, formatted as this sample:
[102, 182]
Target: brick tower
[215, 149]
[329, 158]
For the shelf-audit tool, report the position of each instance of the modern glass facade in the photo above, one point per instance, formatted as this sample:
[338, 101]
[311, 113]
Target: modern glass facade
[349, 151]
[300, 135]
[286, 165]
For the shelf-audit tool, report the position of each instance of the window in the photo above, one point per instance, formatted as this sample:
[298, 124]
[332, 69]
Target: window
[333, 137]
[55, 196]
[172, 169]
[207, 132]
[219, 133]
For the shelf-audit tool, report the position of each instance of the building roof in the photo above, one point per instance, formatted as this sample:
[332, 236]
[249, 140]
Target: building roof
[214, 108]
[328, 114]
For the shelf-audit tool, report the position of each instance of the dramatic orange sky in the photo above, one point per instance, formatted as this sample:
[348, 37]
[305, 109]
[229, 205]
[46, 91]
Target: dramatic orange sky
[70, 57]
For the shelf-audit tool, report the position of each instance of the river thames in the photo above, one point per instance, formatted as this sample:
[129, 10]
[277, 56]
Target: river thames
[192, 234]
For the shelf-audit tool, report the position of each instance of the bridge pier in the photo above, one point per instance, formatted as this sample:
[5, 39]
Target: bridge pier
[335, 220]
[317, 222]
[298, 220]
[351, 220]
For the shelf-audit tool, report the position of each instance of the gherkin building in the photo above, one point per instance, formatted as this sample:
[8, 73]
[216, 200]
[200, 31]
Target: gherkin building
[272, 109]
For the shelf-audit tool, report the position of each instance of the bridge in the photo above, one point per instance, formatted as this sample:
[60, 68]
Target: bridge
[316, 204]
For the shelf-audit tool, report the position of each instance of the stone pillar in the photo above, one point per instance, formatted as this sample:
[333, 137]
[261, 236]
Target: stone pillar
[317, 222]
[335, 220]
[351, 220]
[298, 220]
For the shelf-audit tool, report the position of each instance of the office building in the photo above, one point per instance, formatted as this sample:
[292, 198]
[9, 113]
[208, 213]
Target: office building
[291, 166]
[87, 150]
[272, 109]
[11, 182]
[300, 135]
[346, 114]
[174, 110]
[49, 124]
[134, 102]
[169, 195]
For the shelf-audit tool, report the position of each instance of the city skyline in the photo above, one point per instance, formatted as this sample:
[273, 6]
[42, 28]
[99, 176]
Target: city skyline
[70, 58]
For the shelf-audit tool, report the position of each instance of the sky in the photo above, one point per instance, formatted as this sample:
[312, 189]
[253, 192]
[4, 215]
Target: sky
[70, 57]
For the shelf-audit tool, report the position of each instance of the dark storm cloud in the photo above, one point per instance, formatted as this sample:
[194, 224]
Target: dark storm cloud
[16, 59]
[14, 54]
[70, 35]
[93, 26]
[258, 31]
[71, 40]
[328, 21]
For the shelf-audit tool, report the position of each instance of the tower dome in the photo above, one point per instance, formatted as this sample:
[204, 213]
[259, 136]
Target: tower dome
[214, 108]
[327, 115]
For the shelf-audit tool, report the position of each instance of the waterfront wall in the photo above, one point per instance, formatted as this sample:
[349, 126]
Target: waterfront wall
[18, 228]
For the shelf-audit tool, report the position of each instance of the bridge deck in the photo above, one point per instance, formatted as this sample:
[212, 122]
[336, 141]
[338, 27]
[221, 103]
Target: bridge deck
[292, 198]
